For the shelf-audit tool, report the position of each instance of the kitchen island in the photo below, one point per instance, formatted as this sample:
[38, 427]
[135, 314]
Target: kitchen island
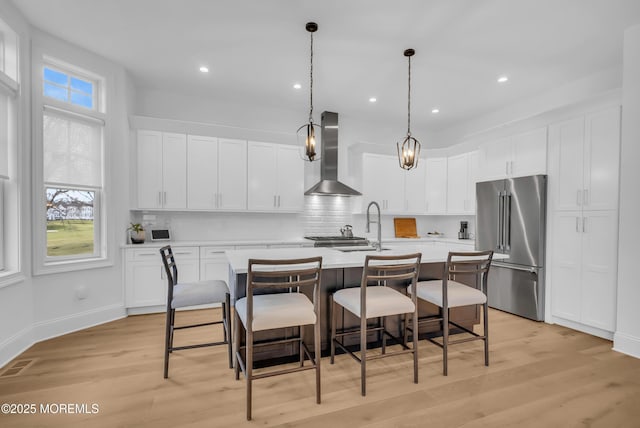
[342, 269]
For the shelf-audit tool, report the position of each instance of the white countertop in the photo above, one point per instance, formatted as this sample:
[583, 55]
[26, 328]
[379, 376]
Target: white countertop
[298, 241]
[335, 259]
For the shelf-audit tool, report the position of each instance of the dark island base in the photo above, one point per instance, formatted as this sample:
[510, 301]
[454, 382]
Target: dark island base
[335, 279]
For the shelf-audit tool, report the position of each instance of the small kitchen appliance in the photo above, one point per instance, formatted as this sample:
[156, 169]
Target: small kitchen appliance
[464, 230]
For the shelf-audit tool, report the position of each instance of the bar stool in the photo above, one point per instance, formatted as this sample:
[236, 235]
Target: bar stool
[181, 295]
[378, 301]
[260, 312]
[449, 293]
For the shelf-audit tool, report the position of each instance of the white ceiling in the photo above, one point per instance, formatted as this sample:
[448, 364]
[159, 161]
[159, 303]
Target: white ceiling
[257, 49]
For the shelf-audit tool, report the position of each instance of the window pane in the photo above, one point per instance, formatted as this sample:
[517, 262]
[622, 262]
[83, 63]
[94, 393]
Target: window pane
[56, 92]
[56, 77]
[70, 225]
[81, 99]
[81, 85]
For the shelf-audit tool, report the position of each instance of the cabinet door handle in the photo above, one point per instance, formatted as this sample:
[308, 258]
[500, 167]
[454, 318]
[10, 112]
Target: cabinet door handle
[511, 167]
[278, 201]
[159, 199]
[579, 197]
[578, 224]
[162, 273]
[215, 200]
[164, 198]
[585, 197]
[584, 225]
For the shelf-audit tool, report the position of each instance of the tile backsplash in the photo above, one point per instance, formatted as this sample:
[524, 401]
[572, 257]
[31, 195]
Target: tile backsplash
[322, 216]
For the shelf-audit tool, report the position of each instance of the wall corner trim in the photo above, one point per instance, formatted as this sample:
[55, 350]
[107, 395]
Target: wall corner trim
[626, 344]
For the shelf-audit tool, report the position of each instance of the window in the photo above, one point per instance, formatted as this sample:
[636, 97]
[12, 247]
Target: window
[72, 165]
[66, 87]
[9, 157]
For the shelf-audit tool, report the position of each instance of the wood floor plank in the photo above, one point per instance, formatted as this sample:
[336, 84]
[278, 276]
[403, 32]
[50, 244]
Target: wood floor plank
[540, 375]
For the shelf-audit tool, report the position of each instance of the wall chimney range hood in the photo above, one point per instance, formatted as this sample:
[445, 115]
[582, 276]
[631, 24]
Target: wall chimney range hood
[329, 184]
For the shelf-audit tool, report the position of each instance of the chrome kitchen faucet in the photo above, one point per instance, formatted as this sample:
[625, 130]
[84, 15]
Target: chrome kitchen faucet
[377, 245]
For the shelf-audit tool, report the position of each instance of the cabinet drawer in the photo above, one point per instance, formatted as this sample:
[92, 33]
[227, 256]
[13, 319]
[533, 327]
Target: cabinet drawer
[213, 252]
[184, 253]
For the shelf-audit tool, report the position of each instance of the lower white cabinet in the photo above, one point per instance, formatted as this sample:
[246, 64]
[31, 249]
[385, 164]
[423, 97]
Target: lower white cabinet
[145, 278]
[213, 263]
[583, 267]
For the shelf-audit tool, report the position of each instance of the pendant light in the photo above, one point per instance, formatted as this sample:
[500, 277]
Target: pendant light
[307, 131]
[409, 149]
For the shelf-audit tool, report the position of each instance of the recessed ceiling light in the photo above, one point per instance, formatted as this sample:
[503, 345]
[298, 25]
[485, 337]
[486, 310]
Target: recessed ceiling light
[435, 111]
[204, 69]
[373, 99]
[502, 79]
[297, 86]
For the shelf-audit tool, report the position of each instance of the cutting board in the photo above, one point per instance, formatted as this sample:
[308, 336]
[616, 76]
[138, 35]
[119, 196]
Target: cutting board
[405, 227]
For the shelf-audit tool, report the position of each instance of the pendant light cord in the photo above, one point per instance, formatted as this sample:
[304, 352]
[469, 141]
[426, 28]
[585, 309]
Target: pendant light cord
[409, 102]
[311, 84]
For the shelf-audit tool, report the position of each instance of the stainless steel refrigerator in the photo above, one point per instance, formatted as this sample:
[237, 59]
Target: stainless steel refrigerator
[510, 219]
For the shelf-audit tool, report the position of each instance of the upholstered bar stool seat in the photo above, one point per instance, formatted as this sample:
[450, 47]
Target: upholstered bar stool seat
[458, 294]
[381, 301]
[199, 293]
[277, 311]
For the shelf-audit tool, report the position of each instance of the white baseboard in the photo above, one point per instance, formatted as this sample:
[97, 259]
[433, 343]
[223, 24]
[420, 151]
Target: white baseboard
[626, 344]
[15, 345]
[59, 326]
[594, 331]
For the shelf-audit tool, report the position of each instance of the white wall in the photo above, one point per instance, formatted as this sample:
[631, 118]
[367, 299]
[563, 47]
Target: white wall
[74, 300]
[40, 307]
[627, 335]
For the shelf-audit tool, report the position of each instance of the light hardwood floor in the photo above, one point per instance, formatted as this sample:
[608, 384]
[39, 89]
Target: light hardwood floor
[540, 376]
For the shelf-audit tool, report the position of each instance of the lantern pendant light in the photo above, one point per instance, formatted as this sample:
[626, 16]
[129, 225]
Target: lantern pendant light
[307, 131]
[409, 149]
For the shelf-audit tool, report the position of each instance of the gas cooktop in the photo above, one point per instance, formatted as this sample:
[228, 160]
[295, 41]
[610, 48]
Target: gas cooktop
[337, 241]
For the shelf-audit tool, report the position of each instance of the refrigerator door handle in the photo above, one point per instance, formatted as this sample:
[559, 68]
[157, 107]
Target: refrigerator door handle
[507, 222]
[515, 267]
[500, 208]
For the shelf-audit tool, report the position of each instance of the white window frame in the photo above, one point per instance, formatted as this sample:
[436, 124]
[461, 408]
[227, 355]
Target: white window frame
[2, 219]
[84, 67]
[10, 187]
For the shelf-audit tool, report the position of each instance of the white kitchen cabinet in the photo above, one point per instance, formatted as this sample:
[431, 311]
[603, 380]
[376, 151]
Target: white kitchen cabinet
[216, 173]
[583, 193]
[145, 278]
[214, 263]
[584, 266]
[397, 191]
[514, 156]
[162, 170]
[276, 178]
[461, 183]
[436, 185]
[415, 191]
[584, 153]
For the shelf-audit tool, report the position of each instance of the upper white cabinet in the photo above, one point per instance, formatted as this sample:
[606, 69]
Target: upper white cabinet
[514, 156]
[162, 170]
[461, 183]
[436, 185]
[397, 191]
[216, 173]
[585, 154]
[276, 177]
